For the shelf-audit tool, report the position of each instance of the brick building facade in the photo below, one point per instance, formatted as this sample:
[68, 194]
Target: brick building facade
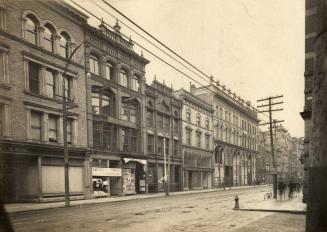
[36, 40]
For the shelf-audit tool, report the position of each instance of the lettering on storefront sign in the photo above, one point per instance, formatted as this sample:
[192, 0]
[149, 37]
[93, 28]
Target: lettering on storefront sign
[106, 171]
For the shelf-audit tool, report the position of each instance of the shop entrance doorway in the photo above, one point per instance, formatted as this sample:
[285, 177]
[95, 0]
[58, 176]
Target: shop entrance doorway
[190, 180]
[139, 178]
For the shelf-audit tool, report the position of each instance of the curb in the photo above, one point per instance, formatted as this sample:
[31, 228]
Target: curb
[84, 203]
[302, 212]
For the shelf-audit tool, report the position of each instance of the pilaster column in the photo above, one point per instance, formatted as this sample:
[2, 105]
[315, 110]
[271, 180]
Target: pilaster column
[59, 80]
[42, 79]
[44, 127]
[56, 39]
[74, 129]
[28, 124]
[39, 169]
[7, 125]
[40, 36]
[26, 75]
[60, 130]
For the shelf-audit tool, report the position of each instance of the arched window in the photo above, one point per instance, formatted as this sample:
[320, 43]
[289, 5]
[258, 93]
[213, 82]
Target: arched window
[103, 102]
[48, 38]
[135, 83]
[108, 71]
[63, 45]
[123, 80]
[31, 29]
[94, 64]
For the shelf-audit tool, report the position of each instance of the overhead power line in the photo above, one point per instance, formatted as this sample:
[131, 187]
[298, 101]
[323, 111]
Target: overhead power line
[151, 53]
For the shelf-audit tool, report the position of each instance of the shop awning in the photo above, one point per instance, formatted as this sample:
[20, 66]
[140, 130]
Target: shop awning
[141, 161]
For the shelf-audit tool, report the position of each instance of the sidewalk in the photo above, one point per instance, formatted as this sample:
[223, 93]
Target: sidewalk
[19, 207]
[282, 215]
[293, 205]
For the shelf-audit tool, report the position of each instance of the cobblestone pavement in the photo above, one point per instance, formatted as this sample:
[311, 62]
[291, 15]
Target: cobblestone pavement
[211, 211]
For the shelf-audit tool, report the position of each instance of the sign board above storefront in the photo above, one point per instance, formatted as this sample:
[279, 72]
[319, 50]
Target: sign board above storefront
[106, 171]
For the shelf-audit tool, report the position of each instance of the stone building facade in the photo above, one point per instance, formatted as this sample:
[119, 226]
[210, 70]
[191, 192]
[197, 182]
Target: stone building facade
[36, 39]
[264, 163]
[197, 141]
[235, 126]
[311, 26]
[116, 113]
[163, 137]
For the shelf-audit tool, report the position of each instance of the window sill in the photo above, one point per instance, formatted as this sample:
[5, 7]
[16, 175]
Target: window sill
[57, 100]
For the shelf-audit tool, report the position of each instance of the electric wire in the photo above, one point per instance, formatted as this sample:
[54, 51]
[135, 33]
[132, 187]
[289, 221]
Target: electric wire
[151, 53]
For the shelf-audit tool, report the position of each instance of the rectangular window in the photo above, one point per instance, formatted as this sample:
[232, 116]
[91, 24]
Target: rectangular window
[160, 121]
[95, 103]
[68, 87]
[108, 137]
[69, 130]
[166, 123]
[207, 124]
[129, 140]
[132, 111]
[188, 136]
[198, 120]
[36, 125]
[123, 80]
[160, 145]
[124, 111]
[53, 128]
[109, 71]
[150, 143]
[198, 140]
[175, 148]
[149, 118]
[176, 126]
[134, 84]
[97, 133]
[49, 83]
[94, 65]
[167, 147]
[188, 116]
[105, 105]
[207, 142]
[4, 67]
[33, 74]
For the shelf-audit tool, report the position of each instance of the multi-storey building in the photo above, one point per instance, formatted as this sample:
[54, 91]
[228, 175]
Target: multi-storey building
[197, 140]
[288, 152]
[264, 163]
[163, 137]
[36, 39]
[116, 113]
[235, 126]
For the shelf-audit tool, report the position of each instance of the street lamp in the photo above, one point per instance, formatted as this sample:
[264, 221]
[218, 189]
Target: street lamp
[64, 115]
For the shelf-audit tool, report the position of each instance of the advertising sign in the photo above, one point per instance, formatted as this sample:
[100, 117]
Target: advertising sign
[106, 171]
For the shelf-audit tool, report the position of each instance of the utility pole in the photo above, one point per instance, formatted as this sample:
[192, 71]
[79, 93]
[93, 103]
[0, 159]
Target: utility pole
[166, 182]
[66, 105]
[270, 110]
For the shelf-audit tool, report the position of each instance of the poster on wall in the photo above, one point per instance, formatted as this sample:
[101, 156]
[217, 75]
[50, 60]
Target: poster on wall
[129, 181]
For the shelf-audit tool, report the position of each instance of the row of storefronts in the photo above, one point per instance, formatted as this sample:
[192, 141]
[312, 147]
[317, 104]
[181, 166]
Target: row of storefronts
[124, 136]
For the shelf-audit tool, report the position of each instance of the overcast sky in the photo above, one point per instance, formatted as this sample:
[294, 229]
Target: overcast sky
[254, 47]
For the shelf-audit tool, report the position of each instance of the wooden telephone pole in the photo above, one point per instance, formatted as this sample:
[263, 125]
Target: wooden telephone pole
[269, 103]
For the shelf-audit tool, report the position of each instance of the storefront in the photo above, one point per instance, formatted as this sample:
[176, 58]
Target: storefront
[156, 173]
[35, 173]
[197, 170]
[134, 176]
[106, 177]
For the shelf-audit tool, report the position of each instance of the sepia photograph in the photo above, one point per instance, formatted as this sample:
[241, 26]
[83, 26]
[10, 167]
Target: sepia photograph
[163, 115]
